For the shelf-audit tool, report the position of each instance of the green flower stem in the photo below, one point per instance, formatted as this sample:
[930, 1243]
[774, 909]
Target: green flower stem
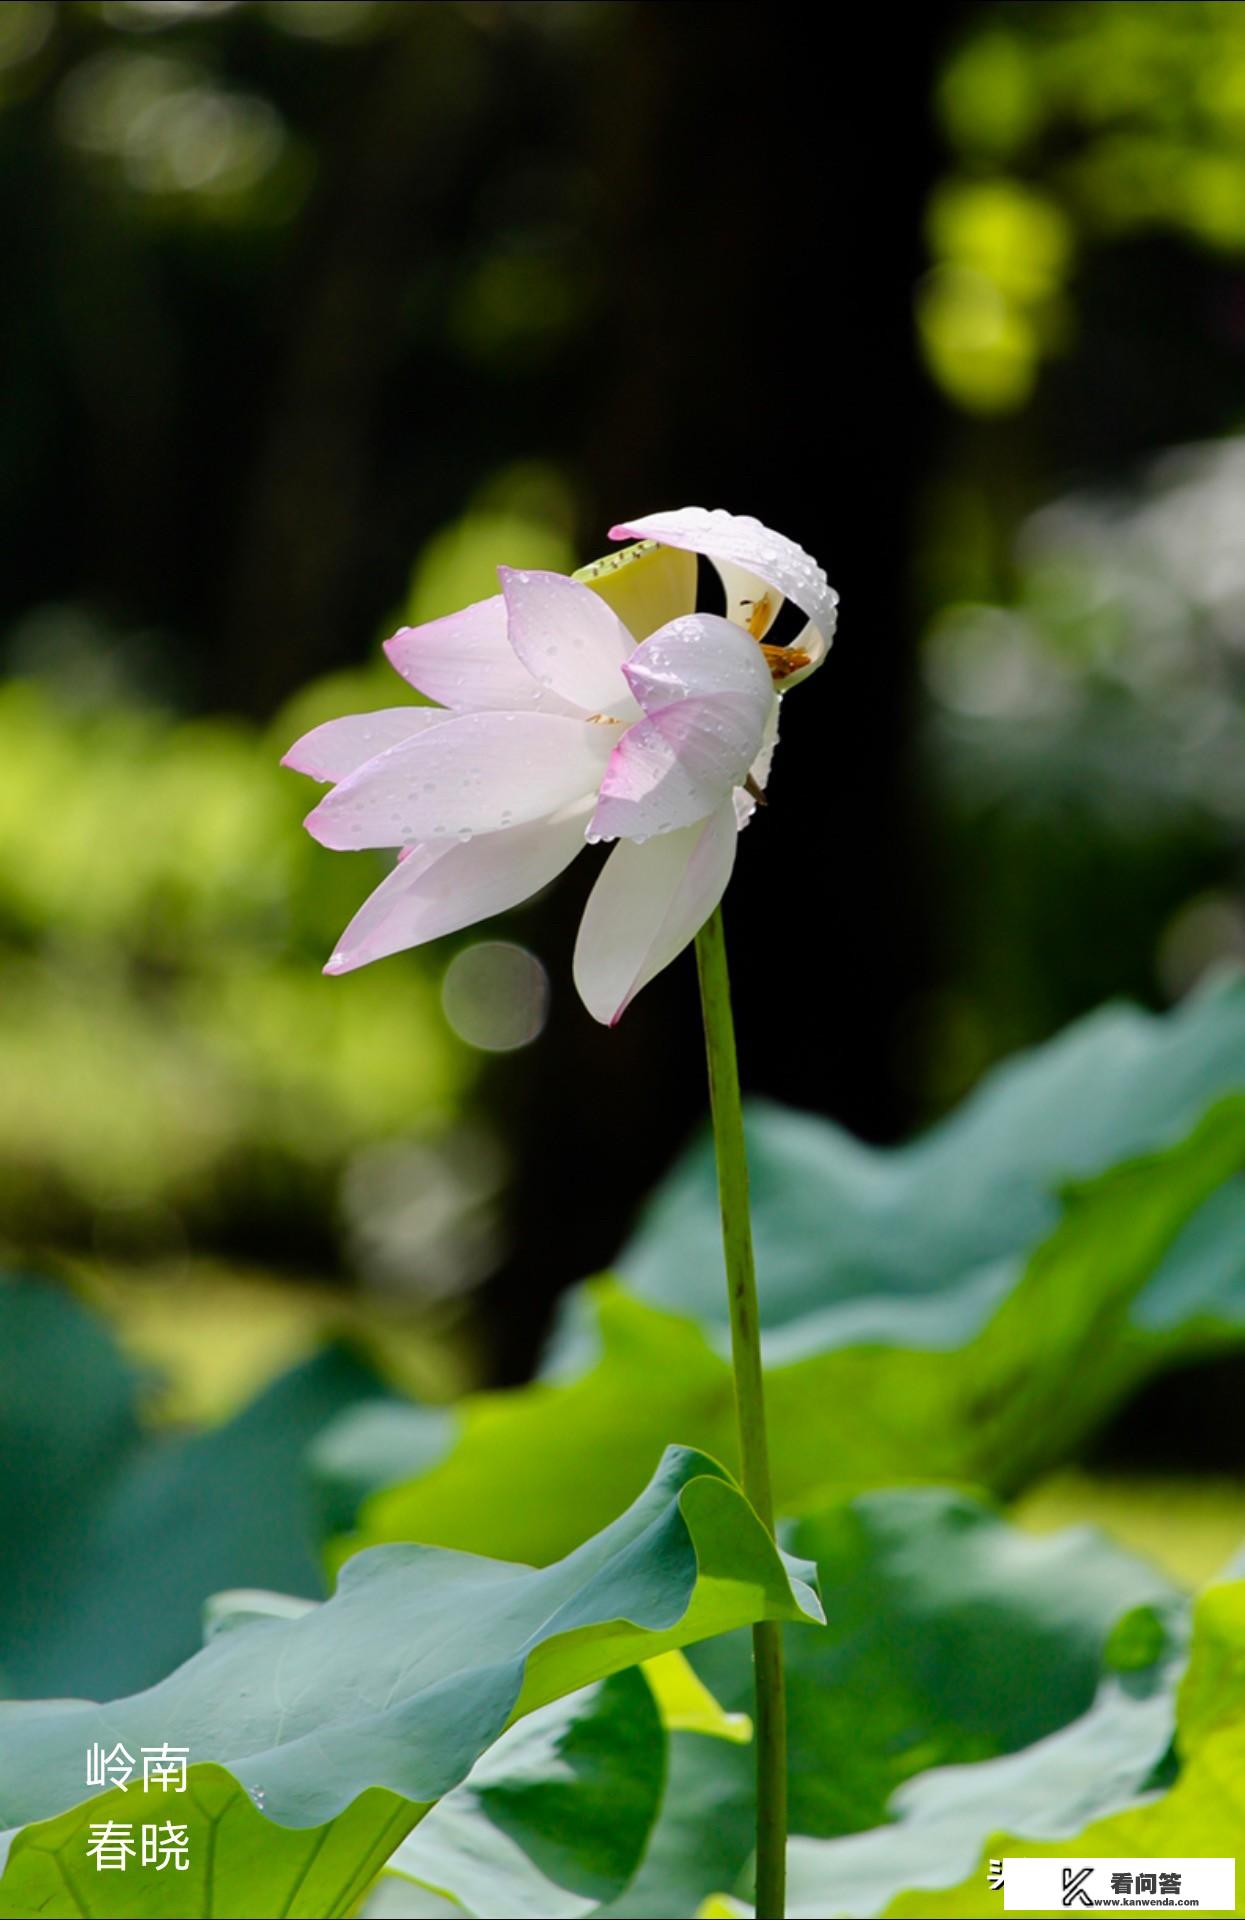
[741, 1287]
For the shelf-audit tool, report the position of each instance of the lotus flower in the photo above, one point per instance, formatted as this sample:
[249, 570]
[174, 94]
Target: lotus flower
[599, 707]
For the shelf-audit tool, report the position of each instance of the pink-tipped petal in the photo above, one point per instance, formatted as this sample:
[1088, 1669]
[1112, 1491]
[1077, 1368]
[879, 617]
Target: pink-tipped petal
[338, 748]
[647, 904]
[676, 766]
[733, 540]
[569, 640]
[475, 773]
[440, 889]
[708, 697]
[697, 656]
[466, 662]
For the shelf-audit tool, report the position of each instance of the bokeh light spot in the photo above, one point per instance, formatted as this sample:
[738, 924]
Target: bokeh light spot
[496, 996]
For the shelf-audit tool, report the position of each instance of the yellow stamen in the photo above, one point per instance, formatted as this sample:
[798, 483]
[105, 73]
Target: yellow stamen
[759, 618]
[783, 661]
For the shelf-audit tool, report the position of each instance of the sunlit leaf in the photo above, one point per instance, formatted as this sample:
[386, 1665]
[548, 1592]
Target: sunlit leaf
[1202, 1812]
[923, 1323]
[370, 1707]
[952, 1637]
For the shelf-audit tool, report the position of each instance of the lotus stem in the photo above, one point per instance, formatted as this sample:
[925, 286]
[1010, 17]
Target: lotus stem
[741, 1287]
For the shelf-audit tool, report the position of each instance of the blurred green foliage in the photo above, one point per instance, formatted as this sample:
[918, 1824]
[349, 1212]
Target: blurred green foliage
[1085, 729]
[163, 918]
[981, 1300]
[1072, 126]
[174, 1059]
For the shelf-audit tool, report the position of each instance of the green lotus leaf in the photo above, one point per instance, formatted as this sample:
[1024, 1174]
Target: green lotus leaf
[553, 1820]
[953, 1638]
[113, 1534]
[1201, 1813]
[993, 1407]
[914, 1245]
[371, 1706]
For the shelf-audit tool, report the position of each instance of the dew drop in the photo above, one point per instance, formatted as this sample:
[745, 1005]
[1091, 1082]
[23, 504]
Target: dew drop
[464, 834]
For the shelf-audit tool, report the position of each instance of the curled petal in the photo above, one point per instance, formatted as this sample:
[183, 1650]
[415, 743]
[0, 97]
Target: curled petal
[466, 662]
[338, 748]
[440, 889]
[475, 773]
[737, 541]
[648, 902]
[568, 639]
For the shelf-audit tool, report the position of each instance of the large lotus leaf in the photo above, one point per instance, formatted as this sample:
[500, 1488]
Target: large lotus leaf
[371, 1706]
[68, 1424]
[113, 1536]
[553, 1820]
[952, 1637]
[1203, 1812]
[240, 1863]
[857, 1243]
[1052, 1355]
[941, 1818]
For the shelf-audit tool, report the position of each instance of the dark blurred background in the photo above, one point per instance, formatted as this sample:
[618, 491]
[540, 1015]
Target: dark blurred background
[315, 311]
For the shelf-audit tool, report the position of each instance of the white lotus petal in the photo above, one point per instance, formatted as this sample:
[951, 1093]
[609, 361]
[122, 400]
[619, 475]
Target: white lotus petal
[442, 888]
[568, 639]
[336, 749]
[674, 767]
[466, 662]
[647, 904]
[475, 773]
[698, 655]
